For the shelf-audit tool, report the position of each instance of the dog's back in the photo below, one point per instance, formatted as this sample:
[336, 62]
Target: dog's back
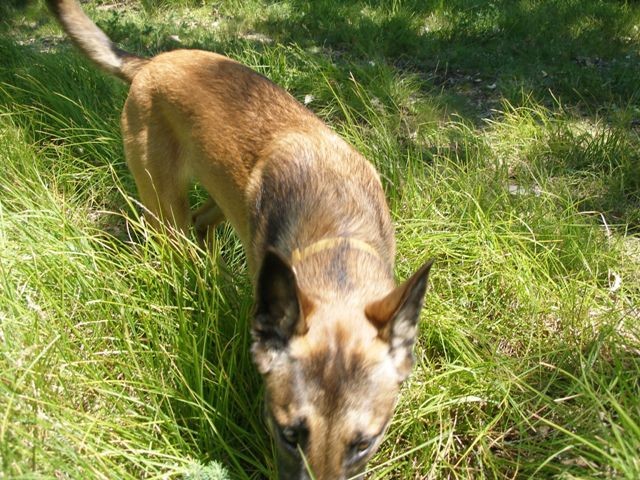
[209, 120]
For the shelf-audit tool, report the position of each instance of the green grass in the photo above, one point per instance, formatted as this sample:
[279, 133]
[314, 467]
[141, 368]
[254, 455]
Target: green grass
[507, 134]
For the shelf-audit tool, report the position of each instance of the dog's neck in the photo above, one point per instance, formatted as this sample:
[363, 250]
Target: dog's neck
[321, 205]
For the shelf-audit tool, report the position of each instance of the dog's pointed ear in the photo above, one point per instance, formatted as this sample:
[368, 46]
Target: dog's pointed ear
[279, 309]
[396, 317]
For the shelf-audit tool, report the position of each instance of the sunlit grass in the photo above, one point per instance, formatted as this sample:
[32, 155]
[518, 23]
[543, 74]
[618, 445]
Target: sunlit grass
[124, 353]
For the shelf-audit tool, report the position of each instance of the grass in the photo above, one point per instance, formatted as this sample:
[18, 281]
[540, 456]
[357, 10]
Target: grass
[507, 136]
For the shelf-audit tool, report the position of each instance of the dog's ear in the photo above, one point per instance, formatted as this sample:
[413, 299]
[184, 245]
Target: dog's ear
[396, 317]
[278, 309]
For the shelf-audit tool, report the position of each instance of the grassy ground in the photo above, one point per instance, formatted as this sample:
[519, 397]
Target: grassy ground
[508, 135]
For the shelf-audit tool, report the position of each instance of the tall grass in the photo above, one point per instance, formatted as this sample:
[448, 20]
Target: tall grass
[124, 352]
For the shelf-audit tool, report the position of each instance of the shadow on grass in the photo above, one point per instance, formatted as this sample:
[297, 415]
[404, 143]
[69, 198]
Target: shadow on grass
[12, 7]
[579, 51]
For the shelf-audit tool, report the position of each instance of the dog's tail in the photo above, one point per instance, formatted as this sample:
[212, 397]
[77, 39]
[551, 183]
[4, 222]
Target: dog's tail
[94, 42]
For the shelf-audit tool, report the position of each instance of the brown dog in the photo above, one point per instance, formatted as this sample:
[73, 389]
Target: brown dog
[333, 336]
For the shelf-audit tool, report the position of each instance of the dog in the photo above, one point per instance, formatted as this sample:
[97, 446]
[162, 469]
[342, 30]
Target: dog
[333, 335]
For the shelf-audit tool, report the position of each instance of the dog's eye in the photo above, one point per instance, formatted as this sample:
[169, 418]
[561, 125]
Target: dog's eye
[294, 435]
[362, 446]
[290, 436]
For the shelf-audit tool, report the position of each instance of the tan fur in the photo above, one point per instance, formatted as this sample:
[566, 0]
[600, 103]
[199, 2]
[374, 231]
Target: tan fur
[332, 333]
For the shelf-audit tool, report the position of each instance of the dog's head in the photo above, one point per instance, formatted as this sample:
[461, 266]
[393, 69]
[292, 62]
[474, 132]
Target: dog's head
[332, 369]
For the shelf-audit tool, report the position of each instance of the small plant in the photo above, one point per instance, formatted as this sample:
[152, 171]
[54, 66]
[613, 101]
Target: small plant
[211, 471]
